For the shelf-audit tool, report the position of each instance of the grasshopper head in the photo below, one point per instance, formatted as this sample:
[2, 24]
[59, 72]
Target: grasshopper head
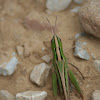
[53, 44]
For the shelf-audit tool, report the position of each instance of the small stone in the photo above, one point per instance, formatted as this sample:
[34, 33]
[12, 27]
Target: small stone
[5, 95]
[20, 51]
[46, 58]
[96, 64]
[96, 95]
[43, 49]
[78, 1]
[26, 50]
[94, 57]
[57, 5]
[31, 95]
[39, 74]
[89, 16]
[80, 51]
[9, 68]
[75, 10]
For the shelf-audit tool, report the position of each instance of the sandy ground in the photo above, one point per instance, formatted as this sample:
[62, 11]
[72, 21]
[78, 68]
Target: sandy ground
[13, 32]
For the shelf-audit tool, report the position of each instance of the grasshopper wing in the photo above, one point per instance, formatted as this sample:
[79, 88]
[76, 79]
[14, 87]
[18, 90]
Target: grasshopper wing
[60, 66]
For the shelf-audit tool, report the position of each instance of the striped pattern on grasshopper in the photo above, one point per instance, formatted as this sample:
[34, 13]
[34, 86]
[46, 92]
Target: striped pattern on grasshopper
[61, 72]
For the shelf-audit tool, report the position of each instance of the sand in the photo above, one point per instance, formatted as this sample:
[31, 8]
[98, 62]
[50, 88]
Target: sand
[14, 32]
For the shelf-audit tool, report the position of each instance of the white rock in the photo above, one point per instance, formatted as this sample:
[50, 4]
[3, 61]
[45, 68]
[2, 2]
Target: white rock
[39, 74]
[20, 51]
[80, 51]
[78, 1]
[96, 95]
[57, 5]
[75, 10]
[5, 95]
[96, 64]
[31, 95]
[9, 68]
[46, 58]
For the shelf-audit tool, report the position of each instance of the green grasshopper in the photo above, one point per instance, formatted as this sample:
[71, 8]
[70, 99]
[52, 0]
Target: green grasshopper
[62, 75]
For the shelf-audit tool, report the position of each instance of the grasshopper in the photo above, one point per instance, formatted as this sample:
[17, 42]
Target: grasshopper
[61, 75]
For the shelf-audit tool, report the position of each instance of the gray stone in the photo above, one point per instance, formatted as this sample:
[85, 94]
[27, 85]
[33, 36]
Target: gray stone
[96, 95]
[46, 58]
[80, 51]
[9, 68]
[96, 64]
[31, 95]
[75, 10]
[89, 16]
[39, 74]
[78, 1]
[57, 5]
[5, 95]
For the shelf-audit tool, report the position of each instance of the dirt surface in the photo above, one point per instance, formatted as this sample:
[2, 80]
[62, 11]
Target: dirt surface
[14, 31]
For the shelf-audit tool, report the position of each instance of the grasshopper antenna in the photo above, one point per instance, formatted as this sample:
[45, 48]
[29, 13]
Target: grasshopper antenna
[51, 26]
[56, 25]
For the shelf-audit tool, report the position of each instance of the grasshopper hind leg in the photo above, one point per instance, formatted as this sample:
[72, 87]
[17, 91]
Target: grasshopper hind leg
[75, 83]
[54, 83]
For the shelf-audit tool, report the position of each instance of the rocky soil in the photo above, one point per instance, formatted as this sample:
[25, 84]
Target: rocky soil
[25, 33]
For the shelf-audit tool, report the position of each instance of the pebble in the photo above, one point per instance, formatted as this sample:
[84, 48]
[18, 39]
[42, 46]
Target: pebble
[39, 74]
[5, 95]
[31, 95]
[9, 68]
[57, 5]
[20, 51]
[78, 1]
[96, 95]
[96, 64]
[46, 58]
[26, 50]
[75, 10]
[80, 51]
